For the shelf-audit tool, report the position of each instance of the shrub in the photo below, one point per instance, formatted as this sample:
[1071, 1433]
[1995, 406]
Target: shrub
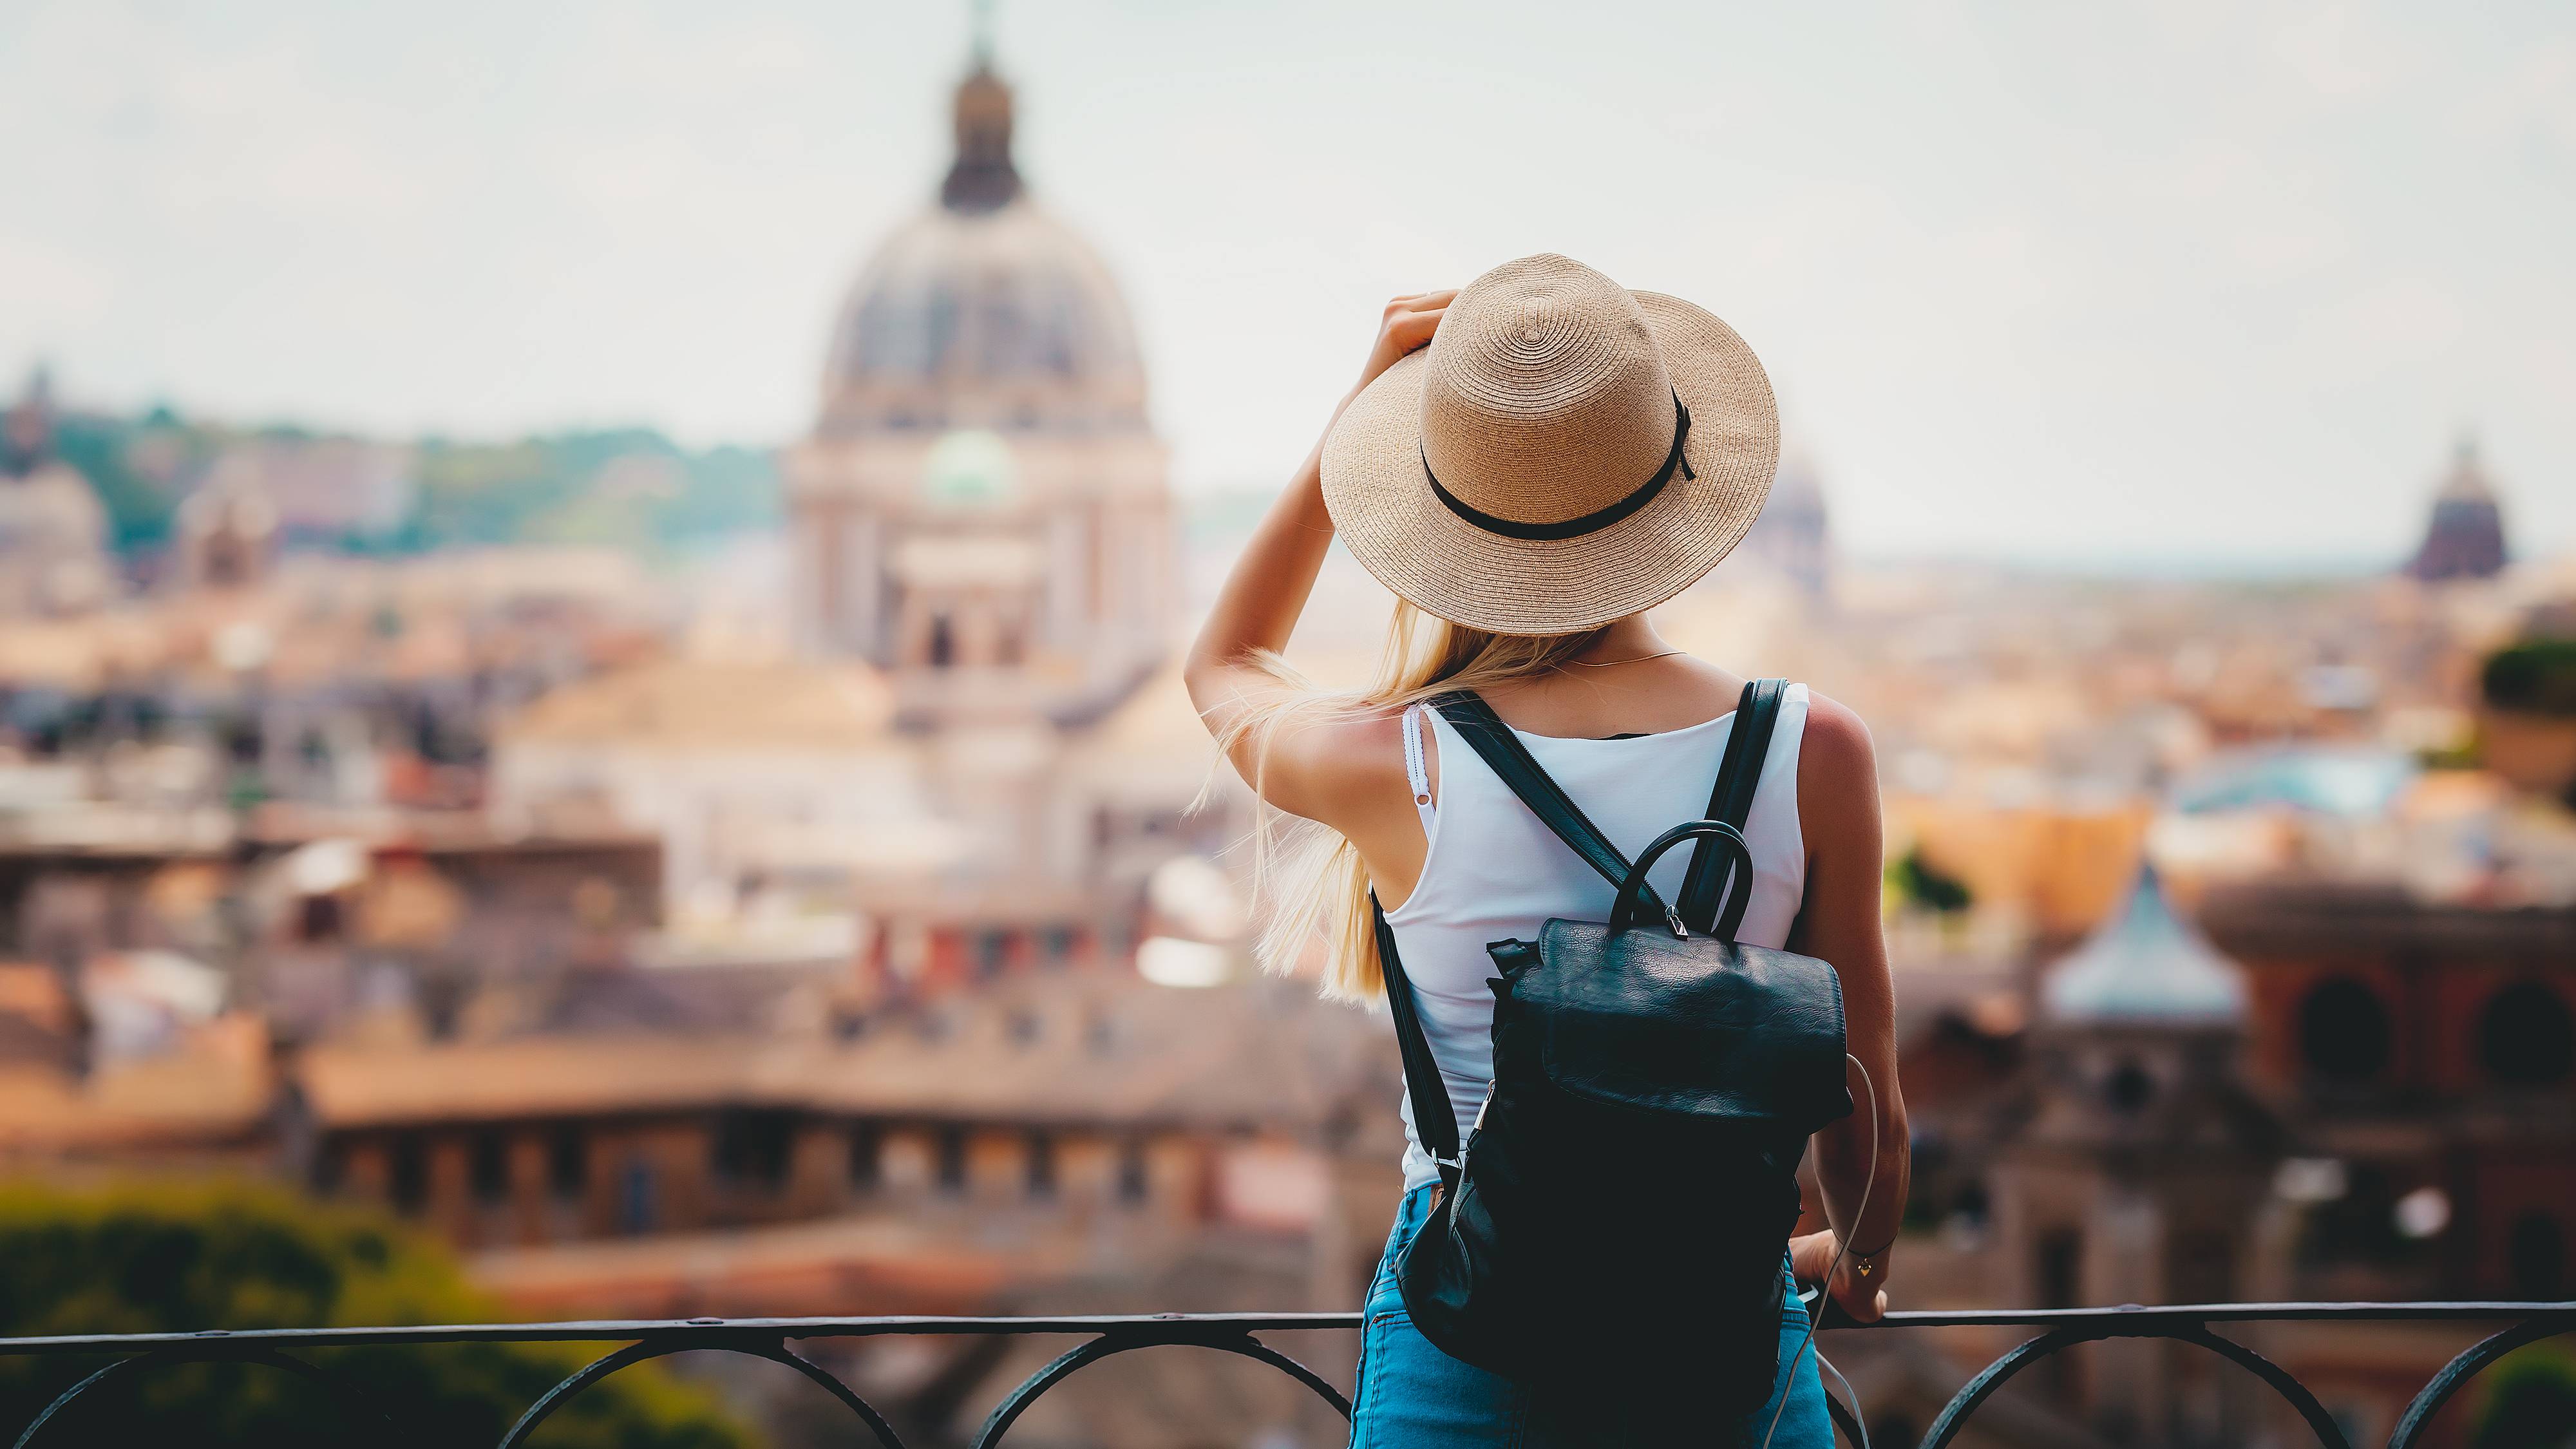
[2537, 676]
[175, 1257]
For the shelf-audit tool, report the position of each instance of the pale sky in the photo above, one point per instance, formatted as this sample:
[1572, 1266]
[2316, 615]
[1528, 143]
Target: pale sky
[2211, 279]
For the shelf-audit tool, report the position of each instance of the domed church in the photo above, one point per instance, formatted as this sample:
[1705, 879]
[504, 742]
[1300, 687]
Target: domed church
[981, 510]
[983, 751]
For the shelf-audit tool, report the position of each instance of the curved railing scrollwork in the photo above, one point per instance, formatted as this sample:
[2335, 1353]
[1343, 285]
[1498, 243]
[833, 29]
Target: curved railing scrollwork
[135, 1355]
[209, 1348]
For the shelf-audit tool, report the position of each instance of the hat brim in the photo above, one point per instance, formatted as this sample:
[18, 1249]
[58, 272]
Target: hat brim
[1386, 514]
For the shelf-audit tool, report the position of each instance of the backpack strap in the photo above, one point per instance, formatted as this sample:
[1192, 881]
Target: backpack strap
[1485, 732]
[1435, 1121]
[1739, 776]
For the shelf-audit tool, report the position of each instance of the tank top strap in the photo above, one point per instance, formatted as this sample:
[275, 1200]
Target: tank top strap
[1417, 773]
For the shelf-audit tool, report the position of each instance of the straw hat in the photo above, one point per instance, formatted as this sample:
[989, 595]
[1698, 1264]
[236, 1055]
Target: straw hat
[1564, 453]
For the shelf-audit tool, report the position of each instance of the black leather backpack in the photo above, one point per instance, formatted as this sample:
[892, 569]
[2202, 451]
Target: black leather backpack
[1616, 1219]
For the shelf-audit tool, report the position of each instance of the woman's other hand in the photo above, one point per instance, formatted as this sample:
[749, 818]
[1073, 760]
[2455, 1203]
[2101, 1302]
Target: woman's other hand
[1811, 1257]
[1407, 323]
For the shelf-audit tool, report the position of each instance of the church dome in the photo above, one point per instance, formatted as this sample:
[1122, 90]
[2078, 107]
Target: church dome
[984, 311]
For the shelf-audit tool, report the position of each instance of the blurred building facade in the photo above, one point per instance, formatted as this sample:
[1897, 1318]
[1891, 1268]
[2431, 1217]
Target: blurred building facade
[54, 557]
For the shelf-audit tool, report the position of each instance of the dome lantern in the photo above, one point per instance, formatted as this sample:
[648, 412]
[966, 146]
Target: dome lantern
[982, 178]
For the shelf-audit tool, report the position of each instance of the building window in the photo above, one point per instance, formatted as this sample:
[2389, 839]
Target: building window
[318, 920]
[1134, 1182]
[1041, 1165]
[867, 1143]
[2525, 1037]
[638, 1197]
[1057, 943]
[2344, 1032]
[2536, 1255]
[992, 953]
[330, 1168]
[2129, 1088]
[568, 1164]
[952, 1159]
[491, 1168]
[751, 1148]
[407, 1174]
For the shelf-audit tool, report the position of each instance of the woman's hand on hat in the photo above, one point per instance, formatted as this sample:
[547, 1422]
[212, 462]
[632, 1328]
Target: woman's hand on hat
[1407, 323]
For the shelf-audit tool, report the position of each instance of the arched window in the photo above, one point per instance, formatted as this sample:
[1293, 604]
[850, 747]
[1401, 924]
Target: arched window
[490, 1168]
[567, 1164]
[951, 1171]
[867, 1143]
[2129, 1088]
[639, 1197]
[2343, 1032]
[407, 1173]
[2525, 1036]
[1041, 1164]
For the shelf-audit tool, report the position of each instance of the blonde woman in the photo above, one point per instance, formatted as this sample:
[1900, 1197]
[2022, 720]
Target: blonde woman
[1531, 464]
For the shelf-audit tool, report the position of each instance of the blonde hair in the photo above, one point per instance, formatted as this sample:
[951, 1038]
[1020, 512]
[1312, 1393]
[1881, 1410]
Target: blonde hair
[1309, 879]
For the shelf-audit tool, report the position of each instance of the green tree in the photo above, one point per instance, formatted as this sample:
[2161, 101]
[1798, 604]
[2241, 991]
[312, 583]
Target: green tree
[2537, 676]
[2531, 1402]
[161, 1257]
[1916, 879]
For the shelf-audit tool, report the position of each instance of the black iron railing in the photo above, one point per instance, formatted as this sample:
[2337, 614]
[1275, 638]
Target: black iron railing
[1238, 1333]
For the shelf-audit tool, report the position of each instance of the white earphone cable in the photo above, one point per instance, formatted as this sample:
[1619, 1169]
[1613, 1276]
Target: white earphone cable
[1824, 1291]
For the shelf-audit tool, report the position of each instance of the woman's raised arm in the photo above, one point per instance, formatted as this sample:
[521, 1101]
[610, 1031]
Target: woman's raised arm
[1267, 589]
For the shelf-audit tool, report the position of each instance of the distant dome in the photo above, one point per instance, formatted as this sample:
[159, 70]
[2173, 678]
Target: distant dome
[2146, 967]
[969, 468]
[2465, 537]
[983, 310]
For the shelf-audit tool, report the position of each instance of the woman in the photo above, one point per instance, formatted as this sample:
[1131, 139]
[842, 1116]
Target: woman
[1530, 464]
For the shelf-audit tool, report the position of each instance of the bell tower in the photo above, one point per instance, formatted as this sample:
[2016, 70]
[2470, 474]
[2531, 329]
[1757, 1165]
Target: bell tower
[2143, 1173]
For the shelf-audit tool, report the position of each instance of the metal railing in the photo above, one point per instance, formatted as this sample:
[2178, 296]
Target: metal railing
[1236, 1333]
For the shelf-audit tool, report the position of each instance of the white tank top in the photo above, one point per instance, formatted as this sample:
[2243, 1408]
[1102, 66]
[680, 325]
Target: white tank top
[1493, 872]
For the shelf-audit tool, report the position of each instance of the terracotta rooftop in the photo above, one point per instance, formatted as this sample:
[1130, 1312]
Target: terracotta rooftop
[695, 704]
[1073, 1047]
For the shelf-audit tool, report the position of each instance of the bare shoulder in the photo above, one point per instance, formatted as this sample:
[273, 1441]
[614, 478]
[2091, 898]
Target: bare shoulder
[1837, 764]
[1340, 769]
[1837, 743]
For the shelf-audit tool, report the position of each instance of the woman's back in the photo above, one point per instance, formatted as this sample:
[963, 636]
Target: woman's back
[1492, 871]
[1531, 464]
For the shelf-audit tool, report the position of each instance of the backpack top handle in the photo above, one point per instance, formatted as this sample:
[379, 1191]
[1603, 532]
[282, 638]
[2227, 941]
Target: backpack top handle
[1729, 841]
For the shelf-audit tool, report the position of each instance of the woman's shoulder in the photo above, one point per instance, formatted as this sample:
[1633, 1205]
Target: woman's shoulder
[1339, 767]
[1837, 766]
[1835, 733]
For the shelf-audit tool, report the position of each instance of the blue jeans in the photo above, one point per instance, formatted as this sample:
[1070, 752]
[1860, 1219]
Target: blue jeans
[1413, 1396]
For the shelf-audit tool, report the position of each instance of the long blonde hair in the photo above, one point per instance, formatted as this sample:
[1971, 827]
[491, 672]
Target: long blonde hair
[1308, 878]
